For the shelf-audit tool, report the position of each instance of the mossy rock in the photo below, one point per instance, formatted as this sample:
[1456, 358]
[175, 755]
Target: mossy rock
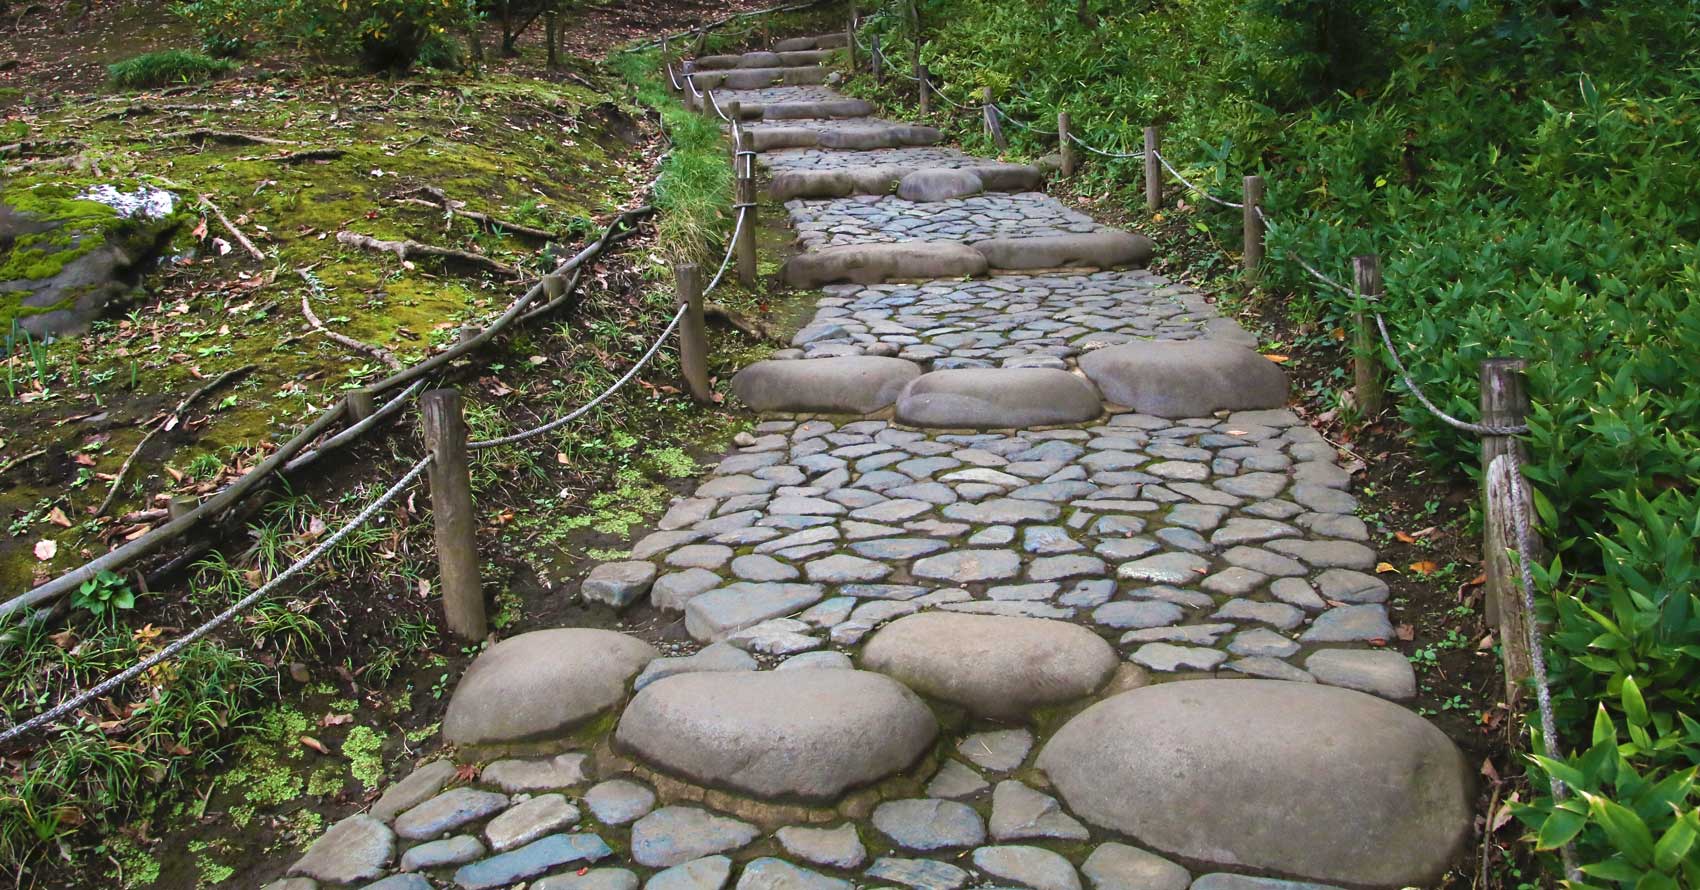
[65, 259]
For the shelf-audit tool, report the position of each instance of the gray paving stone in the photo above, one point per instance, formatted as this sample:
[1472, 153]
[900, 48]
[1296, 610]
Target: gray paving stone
[1268, 668]
[965, 566]
[619, 801]
[672, 591]
[1114, 866]
[420, 785]
[926, 824]
[1346, 586]
[999, 751]
[1376, 671]
[720, 656]
[1279, 615]
[1124, 614]
[1168, 657]
[618, 584]
[1349, 624]
[719, 613]
[768, 873]
[529, 820]
[954, 781]
[1020, 813]
[1226, 881]
[455, 850]
[922, 874]
[448, 811]
[530, 860]
[1262, 641]
[594, 879]
[358, 848]
[1034, 867]
[676, 835]
[1165, 568]
[520, 776]
[838, 847]
[706, 873]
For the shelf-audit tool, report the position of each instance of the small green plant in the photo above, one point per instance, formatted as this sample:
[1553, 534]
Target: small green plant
[165, 68]
[104, 593]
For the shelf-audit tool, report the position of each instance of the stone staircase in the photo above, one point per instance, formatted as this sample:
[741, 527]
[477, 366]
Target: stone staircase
[1027, 579]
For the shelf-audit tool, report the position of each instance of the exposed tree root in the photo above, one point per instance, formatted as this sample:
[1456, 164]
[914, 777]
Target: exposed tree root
[409, 250]
[230, 227]
[310, 154]
[21, 459]
[229, 137]
[749, 326]
[377, 352]
[458, 208]
[169, 423]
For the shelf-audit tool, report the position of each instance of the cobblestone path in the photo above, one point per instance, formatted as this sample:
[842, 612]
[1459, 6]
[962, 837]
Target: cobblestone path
[1026, 578]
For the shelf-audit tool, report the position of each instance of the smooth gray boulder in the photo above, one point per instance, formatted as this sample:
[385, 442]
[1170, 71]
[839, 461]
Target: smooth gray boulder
[787, 184]
[618, 584]
[795, 734]
[993, 665]
[859, 384]
[1266, 775]
[1009, 177]
[998, 398]
[939, 184]
[1185, 378]
[1103, 249]
[877, 263]
[538, 685]
[794, 44]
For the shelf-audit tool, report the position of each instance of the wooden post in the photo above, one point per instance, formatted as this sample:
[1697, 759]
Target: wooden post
[1505, 402]
[994, 127]
[452, 516]
[1153, 172]
[1367, 390]
[877, 61]
[746, 195]
[1065, 145]
[360, 404]
[470, 333]
[920, 74]
[850, 37]
[734, 111]
[1252, 255]
[693, 333]
[181, 505]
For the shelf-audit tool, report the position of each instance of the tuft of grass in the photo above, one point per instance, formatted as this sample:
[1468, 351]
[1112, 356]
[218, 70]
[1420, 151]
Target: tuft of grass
[166, 67]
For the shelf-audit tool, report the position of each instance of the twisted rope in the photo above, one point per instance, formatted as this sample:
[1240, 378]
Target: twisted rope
[113, 682]
[1189, 184]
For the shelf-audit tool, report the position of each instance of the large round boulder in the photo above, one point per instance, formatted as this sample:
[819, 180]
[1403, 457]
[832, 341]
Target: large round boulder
[858, 384]
[1264, 775]
[807, 735]
[538, 685]
[1102, 249]
[1186, 378]
[875, 263]
[998, 398]
[993, 665]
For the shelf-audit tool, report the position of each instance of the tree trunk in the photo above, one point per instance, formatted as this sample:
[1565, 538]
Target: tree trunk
[549, 25]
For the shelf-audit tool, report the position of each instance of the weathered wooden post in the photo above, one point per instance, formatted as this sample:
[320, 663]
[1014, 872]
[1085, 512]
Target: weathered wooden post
[920, 73]
[994, 127]
[850, 37]
[361, 404]
[1505, 402]
[734, 115]
[1367, 390]
[1065, 145]
[454, 523]
[181, 505]
[877, 61]
[693, 333]
[1251, 256]
[745, 198]
[1153, 172]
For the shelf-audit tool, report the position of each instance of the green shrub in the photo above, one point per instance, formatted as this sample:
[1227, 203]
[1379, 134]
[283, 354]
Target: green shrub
[1526, 170]
[164, 68]
[383, 35]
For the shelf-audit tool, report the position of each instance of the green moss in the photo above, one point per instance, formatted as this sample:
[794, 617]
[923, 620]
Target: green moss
[212, 872]
[134, 867]
[364, 750]
[80, 227]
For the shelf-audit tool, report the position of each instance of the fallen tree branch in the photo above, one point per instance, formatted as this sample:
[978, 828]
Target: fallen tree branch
[20, 459]
[754, 329]
[407, 250]
[458, 208]
[310, 154]
[377, 352]
[229, 137]
[231, 228]
[168, 423]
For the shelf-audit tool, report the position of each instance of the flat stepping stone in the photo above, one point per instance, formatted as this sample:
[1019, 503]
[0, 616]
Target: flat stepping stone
[756, 78]
[1033, 867]
[999, 751]
[529, 820]
[1226, 881]
[811, 110]
[939, 185]
[707, 873]
[400, 882]
[717, 657]
[1263, 774]
[1191, 378]
[863, 134]
[1375, 671]
[516, 776]
[837, 847]
[875, 263]
[768, 873]
[1349, 624]
[1021, 813]
[676, 835]
[618, 584]
[954, 781]
[845, 385]
[995, 666]
[618, 801]
[539, 685]
[594, 879]
[998, 398]
[922, 874]
[1103, 249]
[926, 824]
[1114, 866]
[882, 179]
[1168, 657]
[420, 785]
[356, 849]
[808, 734]
[457, 850]
[531, 860]
[448, 811]
[720, 613]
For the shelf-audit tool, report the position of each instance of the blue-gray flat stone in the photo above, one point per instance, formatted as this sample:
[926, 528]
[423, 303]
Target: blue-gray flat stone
[929, 824]
[530, 860]
[676, 835]
[768, 873]
[923, 874]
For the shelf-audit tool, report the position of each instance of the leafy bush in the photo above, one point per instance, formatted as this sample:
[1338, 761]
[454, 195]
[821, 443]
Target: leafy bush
[164, 68]
[383, 35]
[1526, 170]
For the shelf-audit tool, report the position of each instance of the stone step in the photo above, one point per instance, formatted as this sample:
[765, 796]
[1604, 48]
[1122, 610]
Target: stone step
[757, 78]
[919, 260]
[823, 41]
[846, 135]
[989, 176]
[797, 59]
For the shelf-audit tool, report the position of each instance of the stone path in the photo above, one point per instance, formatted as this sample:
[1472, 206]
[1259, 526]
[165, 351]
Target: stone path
[1026, 579]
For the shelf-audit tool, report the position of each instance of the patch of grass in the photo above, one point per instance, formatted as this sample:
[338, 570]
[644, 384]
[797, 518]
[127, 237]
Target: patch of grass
[165, 68]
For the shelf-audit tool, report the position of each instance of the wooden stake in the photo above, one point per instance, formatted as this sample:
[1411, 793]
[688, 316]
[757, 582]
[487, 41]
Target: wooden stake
[182, 505]
[1066, 145]
[452, 516]
[1153, 172]
[920, 74]
[360, 404]
[693, 333]
[745, 194]
[1505, 402]
[1252, 255]
[877, 61]
[850, 36]
[1367, 389]
[734, 110]
[994, 127]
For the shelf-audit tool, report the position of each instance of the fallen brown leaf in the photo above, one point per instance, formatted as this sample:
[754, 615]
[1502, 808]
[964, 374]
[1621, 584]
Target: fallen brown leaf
[310, 742]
